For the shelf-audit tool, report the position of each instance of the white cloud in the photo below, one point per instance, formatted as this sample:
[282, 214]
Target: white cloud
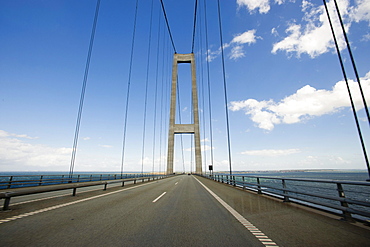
[105, 146]
[262, 5]
[86, 138]
[238, 41]
[247, 37]
[211, 55]
[203, 148]
[237, 45]
[237, 52]
[361, 12]
[328, 161]
[305, 103]
[366, 37]
[314, 36]
[15, 154]
[6, 134]
[274, 32]
[272, 152]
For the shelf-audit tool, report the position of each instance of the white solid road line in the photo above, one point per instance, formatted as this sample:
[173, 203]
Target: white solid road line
[251, 228]
[159, 197]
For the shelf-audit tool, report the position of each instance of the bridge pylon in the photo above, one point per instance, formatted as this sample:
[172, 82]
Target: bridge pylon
[192, 128]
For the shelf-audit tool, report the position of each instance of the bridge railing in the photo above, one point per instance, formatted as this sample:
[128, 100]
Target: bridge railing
[7, 194]
[351, 199]
[16, 181]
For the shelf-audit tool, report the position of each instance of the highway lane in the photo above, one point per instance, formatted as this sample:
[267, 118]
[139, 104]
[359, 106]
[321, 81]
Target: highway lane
[186, 215]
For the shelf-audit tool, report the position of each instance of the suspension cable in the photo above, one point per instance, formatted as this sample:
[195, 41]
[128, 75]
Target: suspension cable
[146, 89]
[353, 62]
[168, 26]
[209, 83]
[77, 130]
[156, 92]
[128, 89]
[225, 88]
[195, 22]
[179, 110]
[161, 107]
[348, 88]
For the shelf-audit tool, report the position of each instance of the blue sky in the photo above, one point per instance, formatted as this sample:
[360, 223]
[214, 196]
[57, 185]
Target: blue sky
[287, 101]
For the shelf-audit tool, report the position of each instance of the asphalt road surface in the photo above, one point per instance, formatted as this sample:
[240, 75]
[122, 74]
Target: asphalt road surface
[178, 211]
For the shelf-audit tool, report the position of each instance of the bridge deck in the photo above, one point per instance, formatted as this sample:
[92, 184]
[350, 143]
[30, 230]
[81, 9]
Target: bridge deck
[186, 215]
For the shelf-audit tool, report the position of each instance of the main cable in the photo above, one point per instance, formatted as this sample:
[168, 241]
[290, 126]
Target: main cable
[195, 21]
[348, 89]
[353, 62]
[82, 97]
[225, 88]
[168, 26]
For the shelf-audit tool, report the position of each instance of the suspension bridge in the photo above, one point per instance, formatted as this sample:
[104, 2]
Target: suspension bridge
[169, 206]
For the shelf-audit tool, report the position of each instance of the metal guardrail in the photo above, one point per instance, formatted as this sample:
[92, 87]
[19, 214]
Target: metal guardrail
[7, 194]
[16, 181]
[351, 199]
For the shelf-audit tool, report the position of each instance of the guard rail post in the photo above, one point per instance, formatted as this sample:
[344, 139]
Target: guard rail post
[6, 203]
[259, 191]
[10, 182]
[286, 198]
[346, 215]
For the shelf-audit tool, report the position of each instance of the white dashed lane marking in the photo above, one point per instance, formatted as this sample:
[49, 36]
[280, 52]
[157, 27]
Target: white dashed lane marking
[159, 197]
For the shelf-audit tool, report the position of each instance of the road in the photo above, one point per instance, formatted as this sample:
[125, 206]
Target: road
[177, 211]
